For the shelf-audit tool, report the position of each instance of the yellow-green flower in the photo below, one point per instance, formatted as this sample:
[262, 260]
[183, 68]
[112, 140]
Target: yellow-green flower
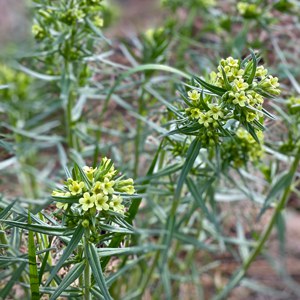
[97, 189]
[111, 172]
[205, 119]
[116, 204]
[87, 201]
[215, 111]
[107, 186]
[240, 99]
[195, 113]
[38, 32]
[231, 62]
[271, 84]
[250, 117]
[193, 95]
[98, 21]
[89, 171]
[261, 72]
[76, 187]
[240, 85]
[101, 202]
[61, 205]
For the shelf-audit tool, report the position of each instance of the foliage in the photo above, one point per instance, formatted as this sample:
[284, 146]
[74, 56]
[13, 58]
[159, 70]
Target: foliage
[206, 146]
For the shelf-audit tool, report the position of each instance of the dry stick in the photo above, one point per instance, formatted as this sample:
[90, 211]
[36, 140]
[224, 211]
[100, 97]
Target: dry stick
[256, 251]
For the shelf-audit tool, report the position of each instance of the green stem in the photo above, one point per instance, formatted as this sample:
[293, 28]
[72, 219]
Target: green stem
[239, 275]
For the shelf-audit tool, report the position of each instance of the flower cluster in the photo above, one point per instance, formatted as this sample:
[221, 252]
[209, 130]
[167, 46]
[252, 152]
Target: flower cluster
[249, 10]
[60, 18]
[231, 100]
[293, 105]
[17, 82]
[100, 189]
[243, 148]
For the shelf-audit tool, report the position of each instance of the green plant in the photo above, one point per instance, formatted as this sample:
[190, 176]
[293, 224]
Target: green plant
[210, 153]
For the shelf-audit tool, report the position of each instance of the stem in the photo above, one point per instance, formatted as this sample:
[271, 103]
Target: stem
[239, 275]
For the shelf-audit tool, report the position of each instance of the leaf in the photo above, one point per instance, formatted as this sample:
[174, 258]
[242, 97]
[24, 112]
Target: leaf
[33, 271]
[197, 195]
[212, 88]
[189, 240]
[83, 176]
[251, 130]
[50, 230]
[168, 170]
[67, 252]
[128, 250]
[279, 185]
[68, 293]
[70, 199]
[72, 275]
[254, 66]
[227, 84]
[38, 75]
[94, 261]
[44, 262]
[5, 212]
[97, 31]
[191, 156]
[116, 229]
[6, 163]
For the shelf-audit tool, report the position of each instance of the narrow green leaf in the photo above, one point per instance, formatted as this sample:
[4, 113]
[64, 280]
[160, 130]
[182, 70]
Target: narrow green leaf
[5, 212]
[251, 130]
[227, 84]
[254, 66]
[67, 252]
[128, 250]
[83, 176]
[68, 292]
[116, 229]
[94, 261]
[212, 88]
[197, 195]
[50, 230]
[189, 240]
[72, 275]
[11, 259]
[45, 259]
[191, 156]
[279, 185]
[97, 31]
[37, 75]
